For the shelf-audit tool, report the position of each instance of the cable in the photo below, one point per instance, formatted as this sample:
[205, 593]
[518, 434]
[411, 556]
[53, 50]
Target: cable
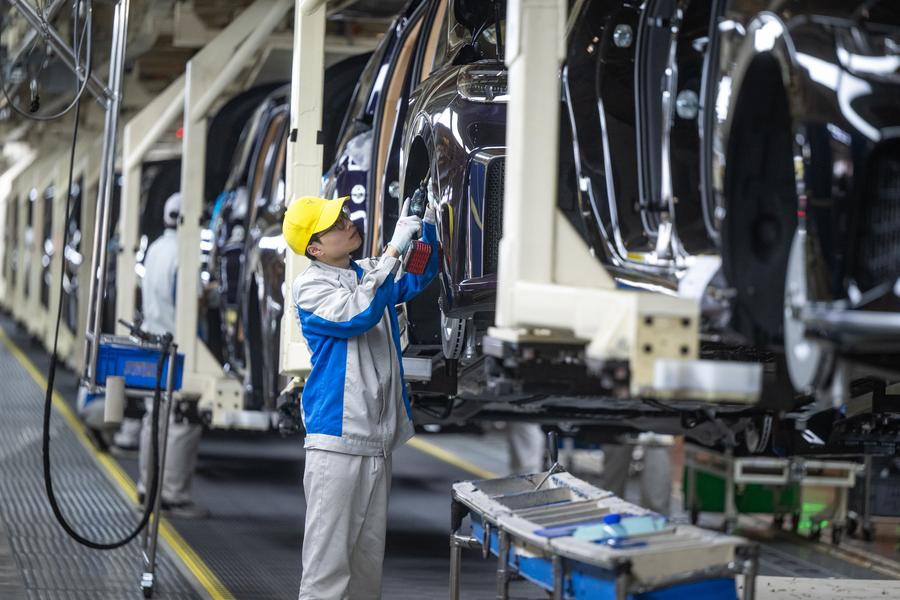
[86, 31]
[48, 398]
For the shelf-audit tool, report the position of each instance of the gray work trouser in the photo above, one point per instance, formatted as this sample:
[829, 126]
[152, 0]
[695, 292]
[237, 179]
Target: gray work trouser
[527, 447]
[346, 522]
[656, 478]
[181, 457]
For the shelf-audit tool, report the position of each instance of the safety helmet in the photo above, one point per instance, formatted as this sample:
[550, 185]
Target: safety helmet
[172, 210]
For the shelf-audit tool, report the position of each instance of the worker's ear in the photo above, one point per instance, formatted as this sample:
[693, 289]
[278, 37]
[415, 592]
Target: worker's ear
[314, 250]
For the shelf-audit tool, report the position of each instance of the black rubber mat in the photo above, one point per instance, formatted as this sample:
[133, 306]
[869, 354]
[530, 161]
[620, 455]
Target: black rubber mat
[37, 559]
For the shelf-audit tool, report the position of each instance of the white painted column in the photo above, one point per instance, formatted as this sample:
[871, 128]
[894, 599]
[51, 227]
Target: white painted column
[139, 136]
[534, 51]
[207, 75]
[304, 159]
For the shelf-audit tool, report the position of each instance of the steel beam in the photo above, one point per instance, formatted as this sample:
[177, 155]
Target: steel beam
[103, 93]
[107, 174]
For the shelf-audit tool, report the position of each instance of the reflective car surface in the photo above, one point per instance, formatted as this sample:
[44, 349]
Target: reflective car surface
[244, 269]
[755, 148]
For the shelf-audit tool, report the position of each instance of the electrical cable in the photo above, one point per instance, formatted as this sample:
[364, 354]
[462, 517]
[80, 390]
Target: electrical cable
[86, 31]
[48, 398]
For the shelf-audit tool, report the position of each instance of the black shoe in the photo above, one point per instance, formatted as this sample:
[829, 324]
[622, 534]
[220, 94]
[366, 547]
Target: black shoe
[181, 510]
[184, 510]
[123, 451]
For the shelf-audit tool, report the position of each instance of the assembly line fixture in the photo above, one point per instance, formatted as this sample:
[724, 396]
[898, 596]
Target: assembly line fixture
[195, 96]
[304, 156]
[549, 285]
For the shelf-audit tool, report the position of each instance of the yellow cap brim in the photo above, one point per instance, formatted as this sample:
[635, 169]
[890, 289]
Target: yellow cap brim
[330, 214]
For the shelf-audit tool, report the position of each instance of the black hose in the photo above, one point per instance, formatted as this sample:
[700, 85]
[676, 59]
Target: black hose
[48, 398]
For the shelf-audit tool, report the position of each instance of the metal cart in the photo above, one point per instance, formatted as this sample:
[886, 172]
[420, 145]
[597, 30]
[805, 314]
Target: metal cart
[543, 529]
[135, 358]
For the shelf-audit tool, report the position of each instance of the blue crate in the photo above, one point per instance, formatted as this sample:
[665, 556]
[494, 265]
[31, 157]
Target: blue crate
[137, 365]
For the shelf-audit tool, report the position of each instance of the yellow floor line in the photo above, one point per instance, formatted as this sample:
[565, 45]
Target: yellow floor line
[450, 458]
[192, 561]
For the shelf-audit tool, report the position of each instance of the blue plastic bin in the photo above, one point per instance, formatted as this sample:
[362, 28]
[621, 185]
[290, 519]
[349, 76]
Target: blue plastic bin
[137, 365]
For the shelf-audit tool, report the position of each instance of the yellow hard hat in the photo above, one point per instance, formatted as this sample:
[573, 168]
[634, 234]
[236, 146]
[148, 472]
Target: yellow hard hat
[308, 216]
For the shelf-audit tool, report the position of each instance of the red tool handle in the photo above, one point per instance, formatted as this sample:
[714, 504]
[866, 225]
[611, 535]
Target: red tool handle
[417, 257]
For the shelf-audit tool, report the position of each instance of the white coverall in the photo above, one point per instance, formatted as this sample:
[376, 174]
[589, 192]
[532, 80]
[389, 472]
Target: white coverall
[527, 447]
[655, 479]
[158, 292]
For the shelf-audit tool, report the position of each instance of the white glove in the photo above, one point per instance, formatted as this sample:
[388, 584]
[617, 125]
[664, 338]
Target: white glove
[430, 212]
[407, 228]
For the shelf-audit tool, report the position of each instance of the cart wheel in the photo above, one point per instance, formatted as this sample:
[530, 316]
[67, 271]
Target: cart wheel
[868, 532]
[837, 534]
[695, 515]
[852, 525]
[795, 522]
[815, 533]
[778, 522]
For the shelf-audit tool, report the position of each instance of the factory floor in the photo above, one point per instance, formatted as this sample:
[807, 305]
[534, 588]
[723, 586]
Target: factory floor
[249, 548]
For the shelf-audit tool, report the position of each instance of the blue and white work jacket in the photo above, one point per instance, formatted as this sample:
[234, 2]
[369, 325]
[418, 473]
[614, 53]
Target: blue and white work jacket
[355, 400]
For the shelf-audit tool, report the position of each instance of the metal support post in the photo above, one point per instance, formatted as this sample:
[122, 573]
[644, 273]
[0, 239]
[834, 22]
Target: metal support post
[691, 499]
[559, 577]
[88, 216]
[502, 565]
[151, 532]
[751, 569]
[304, 155]
[107, 175]
[730, 504]
[457, 543]
[839, 522]
[455, 559]
[867, 491]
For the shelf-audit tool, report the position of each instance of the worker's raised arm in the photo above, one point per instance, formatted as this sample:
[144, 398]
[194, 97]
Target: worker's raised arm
[325, 308]
[409, 286]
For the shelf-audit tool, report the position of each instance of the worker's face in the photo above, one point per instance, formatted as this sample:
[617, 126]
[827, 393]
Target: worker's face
[338, 241]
